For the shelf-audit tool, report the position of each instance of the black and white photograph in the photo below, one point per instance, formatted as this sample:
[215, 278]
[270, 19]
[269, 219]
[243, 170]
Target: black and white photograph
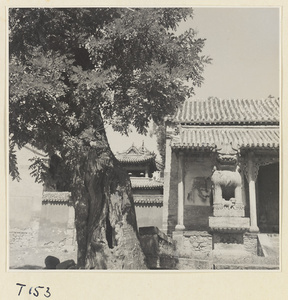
[144, 139]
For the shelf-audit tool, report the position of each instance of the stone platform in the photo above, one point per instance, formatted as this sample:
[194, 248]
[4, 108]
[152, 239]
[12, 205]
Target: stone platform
[202, 250]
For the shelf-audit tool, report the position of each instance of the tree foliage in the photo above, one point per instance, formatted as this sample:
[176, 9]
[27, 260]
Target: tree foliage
[67, 64]
[72, 71]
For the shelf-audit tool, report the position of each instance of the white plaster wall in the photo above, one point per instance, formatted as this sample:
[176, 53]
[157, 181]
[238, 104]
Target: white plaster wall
[201, 167]
[25, 196]
[195, 169]
[149, 216]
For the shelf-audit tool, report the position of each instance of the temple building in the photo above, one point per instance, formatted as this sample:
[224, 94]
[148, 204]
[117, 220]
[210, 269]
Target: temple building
[147, 184]
[216, 206]
[221, 177]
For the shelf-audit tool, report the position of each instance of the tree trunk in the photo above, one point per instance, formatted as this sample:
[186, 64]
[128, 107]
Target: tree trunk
[105, 216]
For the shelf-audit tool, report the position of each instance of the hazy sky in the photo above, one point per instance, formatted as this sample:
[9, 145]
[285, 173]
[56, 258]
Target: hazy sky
[244, 45]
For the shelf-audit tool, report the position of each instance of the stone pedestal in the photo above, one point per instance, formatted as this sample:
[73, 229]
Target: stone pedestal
[229, 224]
[228, 209]
[228, 233]
[179, 227]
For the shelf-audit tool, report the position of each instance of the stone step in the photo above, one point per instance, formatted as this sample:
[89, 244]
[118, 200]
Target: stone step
[269, 244]
[227, 257]
[237, 251]
[244, 267]
[193, 264]
[230, 248]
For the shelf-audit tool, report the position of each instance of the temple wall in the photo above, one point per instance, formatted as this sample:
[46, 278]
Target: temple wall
[197, 192]
[57, 225]
[25, 196]
[25, 224]
[147, 192]
[197, 217]
[36, 230]
[198, 181]
[268, 198]
[149, 216]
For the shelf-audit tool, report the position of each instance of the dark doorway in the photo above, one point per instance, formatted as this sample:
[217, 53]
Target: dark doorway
[268, 198]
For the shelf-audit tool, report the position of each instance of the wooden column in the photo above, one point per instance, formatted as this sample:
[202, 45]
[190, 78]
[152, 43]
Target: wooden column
[180, 222]
[252, 176]
[166, 189]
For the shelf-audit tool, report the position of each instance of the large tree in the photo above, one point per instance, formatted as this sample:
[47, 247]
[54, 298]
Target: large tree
[72, 72]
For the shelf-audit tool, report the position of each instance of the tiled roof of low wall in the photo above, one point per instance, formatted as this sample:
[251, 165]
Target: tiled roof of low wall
[146, 183]
[56, 198]
[64, 198]
[148, 200]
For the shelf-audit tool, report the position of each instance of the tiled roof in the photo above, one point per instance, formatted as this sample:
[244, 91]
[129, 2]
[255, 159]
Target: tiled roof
[208, 137]
[135, 155]
[229, 111]
[64, 198]
[148, 200]
[56, 197]
[134, 159]
[146, 183]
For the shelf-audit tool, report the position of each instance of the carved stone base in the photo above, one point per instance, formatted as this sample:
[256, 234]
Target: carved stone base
[229, 224]
[179, 227]
[228, 238]
[228, 210]
[254, 229]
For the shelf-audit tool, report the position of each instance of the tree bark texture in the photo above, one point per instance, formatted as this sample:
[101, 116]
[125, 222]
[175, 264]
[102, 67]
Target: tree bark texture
[105, 218]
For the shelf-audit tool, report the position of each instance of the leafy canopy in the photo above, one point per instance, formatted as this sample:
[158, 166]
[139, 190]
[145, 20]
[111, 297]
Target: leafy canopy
[71, 67]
